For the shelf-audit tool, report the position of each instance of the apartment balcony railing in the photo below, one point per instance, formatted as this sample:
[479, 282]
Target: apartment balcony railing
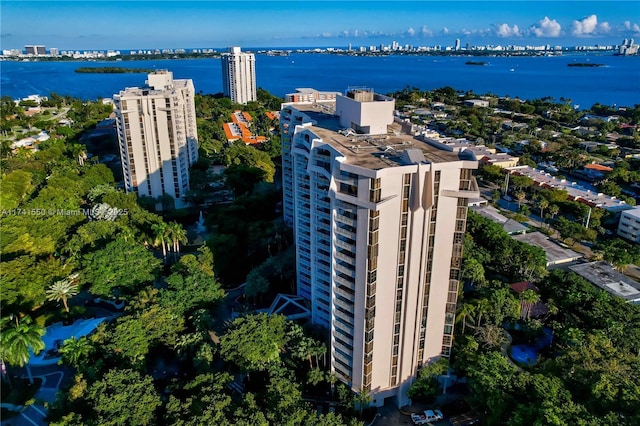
[342, 318]
[344, 270]
[343, 348]
[323, 204]
[344, 232]
[345, 246]
[345, 294]
[346, 306]
[343, 257]
[346, 220]
[343, 281]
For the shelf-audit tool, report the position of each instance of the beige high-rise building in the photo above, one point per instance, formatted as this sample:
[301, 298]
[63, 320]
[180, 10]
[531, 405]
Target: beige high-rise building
[157, 136]
[379, 220]
[239, 75]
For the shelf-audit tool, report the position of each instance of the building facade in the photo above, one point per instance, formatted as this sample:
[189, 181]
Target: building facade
[239, 75]
[35, 50]
[379, 220]
[629, 225]
[157, 135]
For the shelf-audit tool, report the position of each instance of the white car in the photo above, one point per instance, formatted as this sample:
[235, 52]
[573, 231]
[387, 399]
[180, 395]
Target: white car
[426, 417]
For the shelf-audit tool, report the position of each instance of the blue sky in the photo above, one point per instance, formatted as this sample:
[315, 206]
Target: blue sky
[172, 24]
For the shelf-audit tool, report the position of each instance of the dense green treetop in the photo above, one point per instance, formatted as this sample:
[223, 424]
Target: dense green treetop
[123, 265]
[255, 341]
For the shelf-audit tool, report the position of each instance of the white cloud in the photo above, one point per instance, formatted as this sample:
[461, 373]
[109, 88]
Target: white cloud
[604, 28]
[631, 27]
[546, 28]
[585, 26]
[411, 31]
[445, 30]
[426, 32]
[504, 30]
[326, 34]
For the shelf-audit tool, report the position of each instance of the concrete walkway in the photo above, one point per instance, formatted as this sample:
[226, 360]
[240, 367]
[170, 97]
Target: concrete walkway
[35, 414]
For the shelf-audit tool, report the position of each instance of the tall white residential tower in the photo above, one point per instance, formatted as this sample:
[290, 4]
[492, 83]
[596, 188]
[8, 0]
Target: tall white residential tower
[157, 136]
[379, 219]
[239, 75]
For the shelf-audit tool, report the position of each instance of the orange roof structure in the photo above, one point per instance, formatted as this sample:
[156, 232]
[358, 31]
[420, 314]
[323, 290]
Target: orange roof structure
[598, 167]
[240, 131]
[241, 117]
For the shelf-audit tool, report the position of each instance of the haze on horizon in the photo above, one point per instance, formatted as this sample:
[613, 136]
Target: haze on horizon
[191, 24]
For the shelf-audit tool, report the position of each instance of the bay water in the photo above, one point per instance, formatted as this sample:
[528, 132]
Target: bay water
[616, 82]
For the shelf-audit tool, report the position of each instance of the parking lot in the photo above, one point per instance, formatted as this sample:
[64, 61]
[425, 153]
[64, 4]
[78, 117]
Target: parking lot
[390, 415]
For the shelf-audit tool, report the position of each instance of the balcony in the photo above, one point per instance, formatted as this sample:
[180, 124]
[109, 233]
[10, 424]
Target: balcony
[343, 348]
[323, 257]
[346, 246]
[343, 293]
[343, 257]
[346, 306]
[346, 220]
[344, 270]
[343, 281]
[344, 233]
[472, 192]
[342, 318]
[323, 204]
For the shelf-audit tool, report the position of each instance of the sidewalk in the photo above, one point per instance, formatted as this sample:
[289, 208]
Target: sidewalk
[35, 414]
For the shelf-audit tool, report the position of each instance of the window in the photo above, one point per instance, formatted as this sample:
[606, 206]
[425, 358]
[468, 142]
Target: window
[348, 189]
[375, 191]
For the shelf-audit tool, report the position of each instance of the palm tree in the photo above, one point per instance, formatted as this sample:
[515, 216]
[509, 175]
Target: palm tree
[465, 311]
[318, 349]
[19, 341]
[554, 210]
[160, 232]
[482, 307]
[62, 290]
[528, 298]
[74, 350]
[520, 195]
[176, 235]
[542, 204]
[362, 399]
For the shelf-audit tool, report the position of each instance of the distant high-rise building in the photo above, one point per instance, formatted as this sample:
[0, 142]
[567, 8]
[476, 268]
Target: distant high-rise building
[379, 220]
[239, 75]
[54, 51]
[35, 50]
[628, 47]
[157, 136]
[457, 44]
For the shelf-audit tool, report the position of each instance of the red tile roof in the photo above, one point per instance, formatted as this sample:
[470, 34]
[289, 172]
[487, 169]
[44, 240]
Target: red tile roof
[522, 286]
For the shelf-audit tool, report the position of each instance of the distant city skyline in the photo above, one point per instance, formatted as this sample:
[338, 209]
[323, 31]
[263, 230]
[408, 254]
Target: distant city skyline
[159, 24]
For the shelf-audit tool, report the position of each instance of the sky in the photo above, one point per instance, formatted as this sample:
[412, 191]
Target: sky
[123, 24]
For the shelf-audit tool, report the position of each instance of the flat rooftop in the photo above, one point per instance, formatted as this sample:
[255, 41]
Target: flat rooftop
[575, 191]
[373, 151]
[634, 212]
[556, 254]
[146, 90]
[510, 226]
[607, 278]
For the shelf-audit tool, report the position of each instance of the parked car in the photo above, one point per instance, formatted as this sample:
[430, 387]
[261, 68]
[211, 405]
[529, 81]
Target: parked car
[426, 417]
[467, 419]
